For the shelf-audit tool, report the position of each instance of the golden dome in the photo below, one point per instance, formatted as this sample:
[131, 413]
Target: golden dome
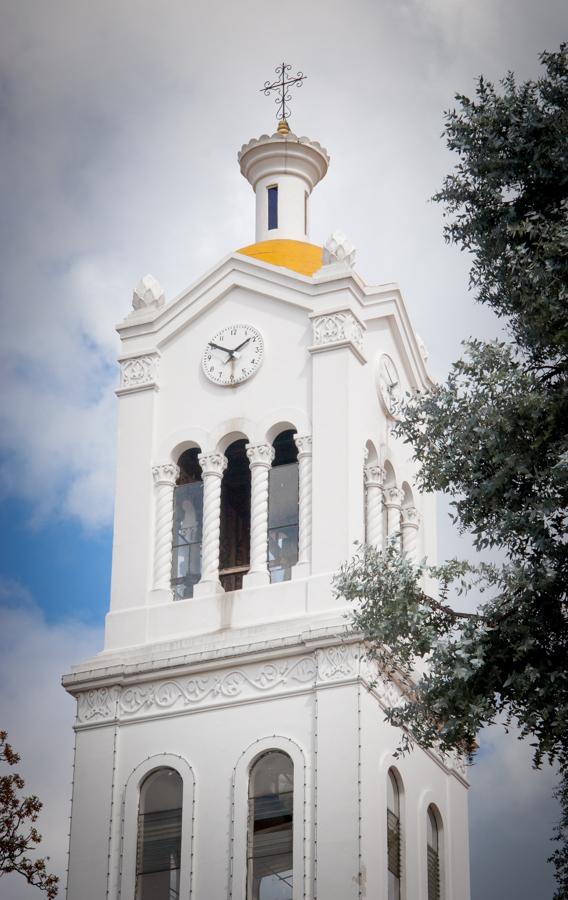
[296, 255]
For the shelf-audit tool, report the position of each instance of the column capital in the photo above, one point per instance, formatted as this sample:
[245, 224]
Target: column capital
[260, 455]
[166, 473]
[304, 444]
[212, 463]
[374, 476]
[410, 517]
[394, 496]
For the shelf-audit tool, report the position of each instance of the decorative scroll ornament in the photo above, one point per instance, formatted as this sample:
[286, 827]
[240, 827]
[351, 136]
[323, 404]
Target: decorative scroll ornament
[304, 444]
[338, 249]
[148, 294]
[335, 663]
[282, 85]
[260, 455]
[374, 476]
[97, 704]
[140, 371]
[394, 497]
[212, 463]
[336, 328]
[168, 473]
[410, 516]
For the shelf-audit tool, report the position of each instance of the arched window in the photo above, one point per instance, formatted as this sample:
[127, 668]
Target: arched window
[235, 517]
[393, 836]
[188, 521]
[283, 513]
[159, 836]
[270, 828]
[433, 850]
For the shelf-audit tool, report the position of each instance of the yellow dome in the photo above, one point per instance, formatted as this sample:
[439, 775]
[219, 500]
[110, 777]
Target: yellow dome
[296, 255]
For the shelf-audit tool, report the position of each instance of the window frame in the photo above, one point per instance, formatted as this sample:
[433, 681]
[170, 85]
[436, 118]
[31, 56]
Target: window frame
[392, 773]
[272, 207]
[239, 831]
[433, 810]
[125, 853]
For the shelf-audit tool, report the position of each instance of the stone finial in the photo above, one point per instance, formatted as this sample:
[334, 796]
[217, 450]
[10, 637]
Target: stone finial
[338, 249]
[148, 294]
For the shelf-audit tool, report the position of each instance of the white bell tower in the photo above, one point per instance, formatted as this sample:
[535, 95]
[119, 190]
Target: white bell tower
[230, 740]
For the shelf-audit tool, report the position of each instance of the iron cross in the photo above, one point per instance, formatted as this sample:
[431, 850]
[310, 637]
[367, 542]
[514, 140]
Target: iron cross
[283, 85]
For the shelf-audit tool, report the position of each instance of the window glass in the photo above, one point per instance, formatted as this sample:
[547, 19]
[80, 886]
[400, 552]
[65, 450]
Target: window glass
[271, 795]
[159, 836]
[273, 207]
[187, 536]
[433, 856]
[235, 517]
[393, 837]
[283, 521]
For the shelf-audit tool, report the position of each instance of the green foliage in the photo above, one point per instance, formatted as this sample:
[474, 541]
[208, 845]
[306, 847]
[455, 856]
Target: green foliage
[18, 834]
[493, 437]
[560, 855]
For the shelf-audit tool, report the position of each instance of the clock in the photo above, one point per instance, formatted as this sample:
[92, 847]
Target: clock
[388, 383]
[233, 355]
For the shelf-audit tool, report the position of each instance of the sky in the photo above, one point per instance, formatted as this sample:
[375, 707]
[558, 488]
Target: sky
[120, 125]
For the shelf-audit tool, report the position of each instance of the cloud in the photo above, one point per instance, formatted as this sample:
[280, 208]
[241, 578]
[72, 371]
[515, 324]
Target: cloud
[512, 815]
[38, 716]
[122, 123]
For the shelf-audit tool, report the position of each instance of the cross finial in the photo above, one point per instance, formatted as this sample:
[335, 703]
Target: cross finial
[282, 85]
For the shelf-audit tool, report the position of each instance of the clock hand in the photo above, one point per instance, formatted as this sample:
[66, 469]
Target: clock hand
[218, 347]
[240, 347]
[234, 354]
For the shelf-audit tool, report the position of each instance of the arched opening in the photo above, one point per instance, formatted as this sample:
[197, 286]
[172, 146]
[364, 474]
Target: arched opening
[433, 853]
[188, 526]
[283, 512]
[235, 517]
[270, 830]
[158, 852]
[408, 497]
[394, 855]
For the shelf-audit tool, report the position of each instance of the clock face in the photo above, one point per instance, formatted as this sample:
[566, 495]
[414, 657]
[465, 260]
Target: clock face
[390, 390]
[233, 355]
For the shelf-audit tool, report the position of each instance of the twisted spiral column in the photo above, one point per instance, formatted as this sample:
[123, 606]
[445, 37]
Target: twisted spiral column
[165, 477]
[374, 480]
[260, 457]
[409, 527]
[304, 444]
[212, 467]
[393, 504]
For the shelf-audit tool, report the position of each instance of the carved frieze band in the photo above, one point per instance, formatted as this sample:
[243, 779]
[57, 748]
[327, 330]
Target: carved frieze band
[322, 668]
[338, 327]
[138, 372]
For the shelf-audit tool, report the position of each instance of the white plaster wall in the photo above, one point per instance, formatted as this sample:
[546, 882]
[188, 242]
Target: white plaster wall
[341, 748]
[291, 193]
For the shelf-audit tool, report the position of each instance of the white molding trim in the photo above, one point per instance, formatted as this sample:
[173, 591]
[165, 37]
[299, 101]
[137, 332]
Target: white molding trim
[239, 818]
[130, 801]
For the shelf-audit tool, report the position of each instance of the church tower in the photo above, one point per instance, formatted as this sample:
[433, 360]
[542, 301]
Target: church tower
[230, 740]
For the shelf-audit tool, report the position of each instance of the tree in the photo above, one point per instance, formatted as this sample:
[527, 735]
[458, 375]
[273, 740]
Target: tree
[494, 438]
[18, 834]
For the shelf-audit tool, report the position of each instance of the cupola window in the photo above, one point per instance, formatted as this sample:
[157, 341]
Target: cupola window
[270, 829]
[235, 517]
[158, 855]
[272, 207]
[188, 523]
[283, 508]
